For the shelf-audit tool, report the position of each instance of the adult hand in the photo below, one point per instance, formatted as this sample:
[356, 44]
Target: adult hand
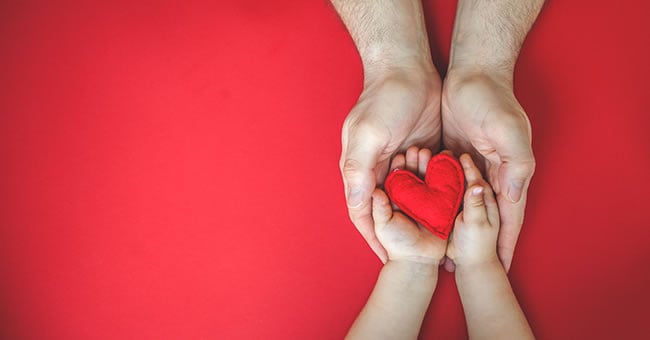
[396, 110]
[400, 103]
[481, 116]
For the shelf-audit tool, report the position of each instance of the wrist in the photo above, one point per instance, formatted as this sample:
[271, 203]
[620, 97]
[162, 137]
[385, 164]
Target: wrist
[466, 73]
[479, 40]
[478, 60]
[470, 268]
[414, 69]
[465, 80]
[413, 269]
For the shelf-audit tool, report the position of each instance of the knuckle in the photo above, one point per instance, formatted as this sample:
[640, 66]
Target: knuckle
[350, 167]
[527, 167]
[477, 203]
[532, 165]
[368, 127]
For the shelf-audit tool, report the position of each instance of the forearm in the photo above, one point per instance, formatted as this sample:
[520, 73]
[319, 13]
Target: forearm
[491, 309]
[397, 305]
[488, 34]
[388, 34]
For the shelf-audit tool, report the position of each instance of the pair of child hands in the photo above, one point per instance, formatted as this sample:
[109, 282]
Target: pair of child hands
[476, 228]
[406, 283]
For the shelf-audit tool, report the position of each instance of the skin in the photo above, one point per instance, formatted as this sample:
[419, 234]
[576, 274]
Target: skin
[399, 105]
[480, 113]
[490, 306]
[406, 283]
[404, 103]
[397, 305]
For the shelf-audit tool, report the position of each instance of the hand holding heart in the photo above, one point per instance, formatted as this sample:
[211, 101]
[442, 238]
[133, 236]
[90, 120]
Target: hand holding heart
[433, 204]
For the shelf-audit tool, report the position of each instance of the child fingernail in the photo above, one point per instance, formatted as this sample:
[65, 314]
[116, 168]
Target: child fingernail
[477, 191]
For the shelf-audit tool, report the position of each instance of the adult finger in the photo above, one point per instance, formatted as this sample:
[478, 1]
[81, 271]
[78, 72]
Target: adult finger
[511, 215]
[517, 163]
[361, 150]
[516, 174]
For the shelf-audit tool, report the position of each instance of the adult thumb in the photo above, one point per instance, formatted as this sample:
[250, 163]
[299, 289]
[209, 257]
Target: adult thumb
[358, 162]
[513, 145]
[516, 175]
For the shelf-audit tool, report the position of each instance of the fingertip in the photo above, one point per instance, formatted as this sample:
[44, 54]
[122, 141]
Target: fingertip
[424, 156]
[515, 189]
[412, 159]
[413, 149]
[381, 210]
[379, 198]
[355, 197]
[474, 195]
[474, 211]
[447, 152]
[507, 265]
[516, 176]
[466, 160]
[450, 266]
[472, 173]
[398, 162]
[425, 152]
[505, 256]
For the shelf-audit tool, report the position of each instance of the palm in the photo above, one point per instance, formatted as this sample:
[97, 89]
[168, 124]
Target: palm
[398, 113]
[392, 113]
[405, 240]
[478, 118]
[482, 117]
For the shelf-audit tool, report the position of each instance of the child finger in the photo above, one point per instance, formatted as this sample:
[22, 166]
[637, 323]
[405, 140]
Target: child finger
[412, 159]
[491, 206]
[398, 162]
[474, 210]
[472, 173]
[450, 265]
[447, 152]
[381, 210]
[424, 156]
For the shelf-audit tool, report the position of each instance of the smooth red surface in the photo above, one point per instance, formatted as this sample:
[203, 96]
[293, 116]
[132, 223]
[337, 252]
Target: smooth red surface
[169, 170]
[434, 202]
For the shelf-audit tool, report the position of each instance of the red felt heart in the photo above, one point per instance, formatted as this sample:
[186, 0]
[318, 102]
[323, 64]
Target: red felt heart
[434, 202]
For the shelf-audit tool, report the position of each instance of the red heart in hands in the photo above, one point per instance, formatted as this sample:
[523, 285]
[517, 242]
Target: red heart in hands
[434, 202]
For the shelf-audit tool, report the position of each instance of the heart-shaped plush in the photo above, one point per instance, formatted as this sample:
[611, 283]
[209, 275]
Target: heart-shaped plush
[434, 202]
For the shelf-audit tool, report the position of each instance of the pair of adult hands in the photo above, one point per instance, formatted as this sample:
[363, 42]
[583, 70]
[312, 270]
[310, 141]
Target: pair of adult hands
[473, 111]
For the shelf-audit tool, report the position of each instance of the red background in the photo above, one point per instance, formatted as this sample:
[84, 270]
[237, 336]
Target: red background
[169, 170]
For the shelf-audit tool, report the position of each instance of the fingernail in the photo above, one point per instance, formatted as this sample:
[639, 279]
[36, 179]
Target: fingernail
[514, 191]
[477, 191]
[354, 198]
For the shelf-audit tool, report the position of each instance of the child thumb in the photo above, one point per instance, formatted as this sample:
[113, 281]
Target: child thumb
[381, 209]
[474, 206]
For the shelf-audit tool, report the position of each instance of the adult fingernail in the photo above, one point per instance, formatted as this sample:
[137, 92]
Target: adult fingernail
[514, 191]
[354, 198]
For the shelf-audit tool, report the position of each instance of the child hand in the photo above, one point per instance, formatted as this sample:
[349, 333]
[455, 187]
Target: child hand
[403, 239]
[474, 238]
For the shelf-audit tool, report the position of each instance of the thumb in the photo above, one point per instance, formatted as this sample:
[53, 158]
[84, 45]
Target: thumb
[381, 209]
[515, 176]
[358, 161]
[512, 141]
[474, 211]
